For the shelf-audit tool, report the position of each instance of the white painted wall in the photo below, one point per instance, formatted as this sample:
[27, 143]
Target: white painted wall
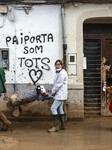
[45, 20]
[40, 20]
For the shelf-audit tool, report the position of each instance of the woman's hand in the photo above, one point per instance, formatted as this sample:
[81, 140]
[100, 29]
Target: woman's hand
[5, 95]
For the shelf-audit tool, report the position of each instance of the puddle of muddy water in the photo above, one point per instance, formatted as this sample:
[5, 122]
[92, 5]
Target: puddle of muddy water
[90, 134]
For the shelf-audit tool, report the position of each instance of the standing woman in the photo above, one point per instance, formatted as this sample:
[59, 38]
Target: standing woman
[59, 93]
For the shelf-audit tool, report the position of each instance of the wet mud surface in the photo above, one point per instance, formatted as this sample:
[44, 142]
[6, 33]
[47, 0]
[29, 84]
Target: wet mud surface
[89, 134]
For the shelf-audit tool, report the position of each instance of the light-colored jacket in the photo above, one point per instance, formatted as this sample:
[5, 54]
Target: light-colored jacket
[60, 89]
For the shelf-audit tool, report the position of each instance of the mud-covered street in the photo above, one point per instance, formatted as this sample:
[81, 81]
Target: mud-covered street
[90, 134]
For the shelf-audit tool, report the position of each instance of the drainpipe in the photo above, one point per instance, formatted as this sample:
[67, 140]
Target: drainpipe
[63, 32]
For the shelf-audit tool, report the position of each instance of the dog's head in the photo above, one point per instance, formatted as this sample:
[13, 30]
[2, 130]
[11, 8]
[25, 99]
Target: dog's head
[14, 97]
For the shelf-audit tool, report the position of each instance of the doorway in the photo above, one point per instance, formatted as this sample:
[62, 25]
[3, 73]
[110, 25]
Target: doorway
[97, 45]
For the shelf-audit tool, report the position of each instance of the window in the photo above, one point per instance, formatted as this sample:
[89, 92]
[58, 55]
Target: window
[4, 58]
[72, 58]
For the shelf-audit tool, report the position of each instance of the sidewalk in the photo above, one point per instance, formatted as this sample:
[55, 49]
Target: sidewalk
[90, 134]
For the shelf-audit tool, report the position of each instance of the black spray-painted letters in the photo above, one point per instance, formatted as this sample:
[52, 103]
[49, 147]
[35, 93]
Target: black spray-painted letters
[36, 43]
[42, 38]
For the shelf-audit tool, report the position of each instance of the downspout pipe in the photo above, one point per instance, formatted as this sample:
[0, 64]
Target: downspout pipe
[63, 32]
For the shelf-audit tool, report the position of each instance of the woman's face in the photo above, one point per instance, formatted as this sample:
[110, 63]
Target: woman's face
[58, 65]
[107, 67]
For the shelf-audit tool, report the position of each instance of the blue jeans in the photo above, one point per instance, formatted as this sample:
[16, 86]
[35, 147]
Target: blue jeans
[57, 106]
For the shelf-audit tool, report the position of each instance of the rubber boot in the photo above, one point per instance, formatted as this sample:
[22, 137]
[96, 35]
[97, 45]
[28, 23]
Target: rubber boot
[5, 121]
[63, 120]
[56, 126]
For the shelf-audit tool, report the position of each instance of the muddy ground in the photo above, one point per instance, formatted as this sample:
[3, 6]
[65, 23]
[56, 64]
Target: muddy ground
[89, 134]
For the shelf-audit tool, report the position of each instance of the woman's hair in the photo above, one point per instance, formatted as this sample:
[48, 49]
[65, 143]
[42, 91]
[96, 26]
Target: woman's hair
[60, 61]
[107, 63]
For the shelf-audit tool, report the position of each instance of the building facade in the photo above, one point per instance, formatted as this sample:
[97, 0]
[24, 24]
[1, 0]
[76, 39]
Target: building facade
[31, 40]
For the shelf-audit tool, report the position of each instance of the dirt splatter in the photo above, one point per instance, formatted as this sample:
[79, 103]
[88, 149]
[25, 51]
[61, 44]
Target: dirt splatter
[7, 142]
